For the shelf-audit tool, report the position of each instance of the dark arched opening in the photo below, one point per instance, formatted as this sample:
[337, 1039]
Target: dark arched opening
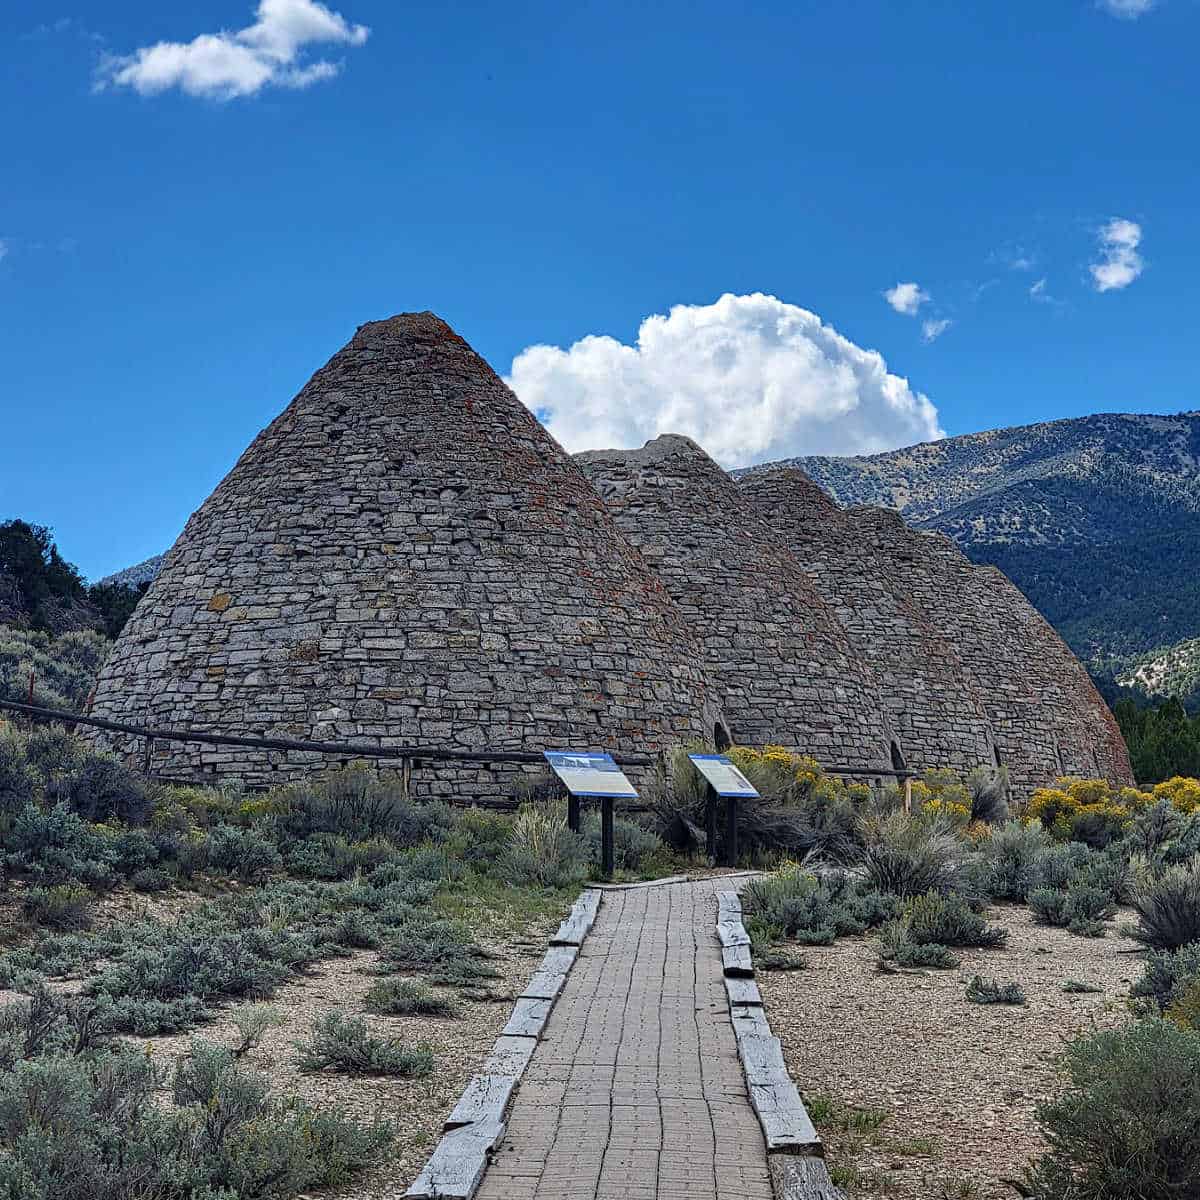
[996, 755]
[721, 738]
[898, 763]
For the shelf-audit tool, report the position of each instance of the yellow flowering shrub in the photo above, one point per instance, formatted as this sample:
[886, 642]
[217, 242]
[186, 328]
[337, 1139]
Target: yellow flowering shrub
[1084, 791]
[1183, 793]
[1050, 805]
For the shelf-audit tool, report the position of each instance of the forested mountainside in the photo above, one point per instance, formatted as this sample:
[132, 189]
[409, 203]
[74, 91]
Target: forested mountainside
[1097, 520]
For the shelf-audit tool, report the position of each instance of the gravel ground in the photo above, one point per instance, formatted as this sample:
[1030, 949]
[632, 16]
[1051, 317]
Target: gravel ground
[417, 1107]
[952, 1084]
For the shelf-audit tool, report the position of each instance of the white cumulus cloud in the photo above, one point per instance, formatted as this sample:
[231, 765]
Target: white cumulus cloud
[933, 329]
[3, 248]
[1120, 263]
[906, 298]
[750, 378]
[1129, 10]
[226, 65]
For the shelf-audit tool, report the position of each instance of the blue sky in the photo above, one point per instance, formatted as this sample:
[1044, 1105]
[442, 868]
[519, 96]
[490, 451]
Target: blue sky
[178, 262]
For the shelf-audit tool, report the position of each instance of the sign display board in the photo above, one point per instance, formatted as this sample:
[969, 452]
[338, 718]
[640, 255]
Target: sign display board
[725, 778]
[589, 773]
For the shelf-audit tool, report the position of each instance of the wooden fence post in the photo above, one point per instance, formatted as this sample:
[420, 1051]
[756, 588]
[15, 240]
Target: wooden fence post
[606, 837]
[710, 825]
[731, 831]
[908, 793]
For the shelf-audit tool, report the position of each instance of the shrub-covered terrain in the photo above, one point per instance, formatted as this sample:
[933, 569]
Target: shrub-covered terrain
[228, 900]
[922, 885]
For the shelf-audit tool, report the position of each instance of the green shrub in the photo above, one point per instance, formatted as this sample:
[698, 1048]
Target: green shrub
[65, 906]
[1152, 828]
[17, 782]
[101, 789]
[1058, 864]
[64, 668]
[934, 919]
[401, 997]
[632, 843]
[151, 879]
[359, 803]
[1080, 908]
[480, 838]
[1128, 1124]
[1168, 974]
[1011, 855]
[895, 946]
[542, 851]
[343, 1044]
[988, 791]
[243, 852]
[1168, 907]
[423, 941]
[990, 991]
[814, 910]
[911, 855]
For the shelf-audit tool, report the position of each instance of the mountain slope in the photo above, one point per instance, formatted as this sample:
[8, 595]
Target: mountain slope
[1097, 520]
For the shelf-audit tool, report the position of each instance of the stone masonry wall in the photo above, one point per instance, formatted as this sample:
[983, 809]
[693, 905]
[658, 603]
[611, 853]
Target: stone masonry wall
[405, 556]
[931, 699]
[1046, 716]
[783, 668]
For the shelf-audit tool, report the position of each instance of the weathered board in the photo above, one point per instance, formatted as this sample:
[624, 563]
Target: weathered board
[580, 919]
[457, 1163]
[785, 1122]
[735, 960]
[742, 991]
[528, 1018]
[547, 981]
[802, 1177]
[484, 1098]
[509, 1056]
[749, 1021]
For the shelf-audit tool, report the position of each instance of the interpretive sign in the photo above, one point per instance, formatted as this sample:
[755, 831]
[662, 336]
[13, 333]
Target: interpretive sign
[725, 778]
[589, 773]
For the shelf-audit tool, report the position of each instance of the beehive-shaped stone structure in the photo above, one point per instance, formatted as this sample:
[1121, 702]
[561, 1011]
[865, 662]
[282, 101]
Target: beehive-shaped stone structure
[405, 556]
[780, 662]
[1039, 711]
[1046, 715]
[929, 696]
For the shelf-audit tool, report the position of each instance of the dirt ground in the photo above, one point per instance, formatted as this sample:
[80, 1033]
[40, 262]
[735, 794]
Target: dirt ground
[918, 1092]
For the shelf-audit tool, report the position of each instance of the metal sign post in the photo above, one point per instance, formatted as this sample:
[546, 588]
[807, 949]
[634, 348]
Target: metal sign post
[723, 779]
[590, 774]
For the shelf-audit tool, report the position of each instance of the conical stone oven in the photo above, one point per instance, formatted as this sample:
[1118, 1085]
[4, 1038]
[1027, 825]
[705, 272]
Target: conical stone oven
[405, 556]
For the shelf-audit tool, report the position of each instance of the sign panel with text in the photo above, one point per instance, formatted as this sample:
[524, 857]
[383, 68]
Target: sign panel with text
[590, 773]
[725, 778]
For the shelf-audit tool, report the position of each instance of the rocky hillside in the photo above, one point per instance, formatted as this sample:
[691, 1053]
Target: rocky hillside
[135, 576]
[1097, 519]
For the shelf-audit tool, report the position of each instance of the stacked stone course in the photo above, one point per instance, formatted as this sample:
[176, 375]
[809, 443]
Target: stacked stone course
[406, 557]
[782, 666]
[930, 697]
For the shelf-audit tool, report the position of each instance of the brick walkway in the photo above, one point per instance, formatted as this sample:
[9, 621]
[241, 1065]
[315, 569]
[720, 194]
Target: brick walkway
[635, 1091]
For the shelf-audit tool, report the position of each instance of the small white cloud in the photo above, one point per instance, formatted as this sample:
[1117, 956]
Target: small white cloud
[933, 329]
[226, 65]
[1037, 290]
[1128, 10]
[750, 378]
[906, 298]
[3, 248]
[1121, 263]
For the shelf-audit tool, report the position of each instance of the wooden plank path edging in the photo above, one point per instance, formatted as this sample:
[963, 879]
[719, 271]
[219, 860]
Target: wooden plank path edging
[580, 919]
[794, 1147]
[475, 1126]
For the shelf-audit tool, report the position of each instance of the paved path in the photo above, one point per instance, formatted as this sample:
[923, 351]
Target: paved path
[635, 1091]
